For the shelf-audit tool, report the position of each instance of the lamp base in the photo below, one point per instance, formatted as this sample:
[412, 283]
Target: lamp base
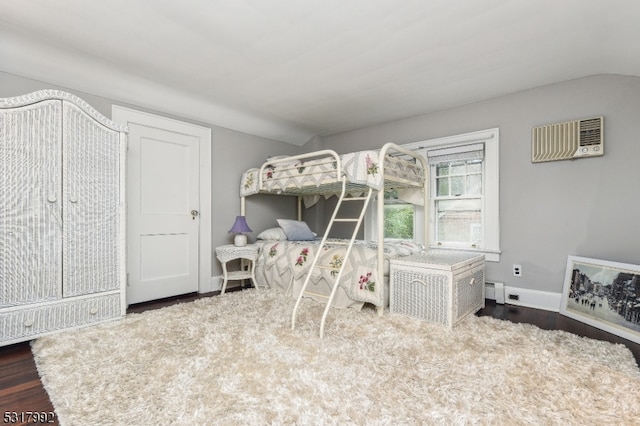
[240, 240]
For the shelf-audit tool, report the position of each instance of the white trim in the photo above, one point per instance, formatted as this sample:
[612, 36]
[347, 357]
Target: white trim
[464, 138]
[125, 116]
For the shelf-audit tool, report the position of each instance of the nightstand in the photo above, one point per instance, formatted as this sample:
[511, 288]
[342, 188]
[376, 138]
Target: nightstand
[231, 252]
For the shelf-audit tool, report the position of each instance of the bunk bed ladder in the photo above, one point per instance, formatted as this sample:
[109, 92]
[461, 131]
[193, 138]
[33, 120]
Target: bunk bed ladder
[357, 222]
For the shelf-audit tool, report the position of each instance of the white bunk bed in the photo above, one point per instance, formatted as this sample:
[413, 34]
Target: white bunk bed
[358, 176]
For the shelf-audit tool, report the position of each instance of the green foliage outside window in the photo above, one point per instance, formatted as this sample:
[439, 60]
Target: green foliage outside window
[398, 221]
[398, 217]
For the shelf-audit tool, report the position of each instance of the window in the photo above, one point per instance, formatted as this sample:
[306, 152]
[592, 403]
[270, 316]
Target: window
[463, 204]
[398, 217]
[457, 194]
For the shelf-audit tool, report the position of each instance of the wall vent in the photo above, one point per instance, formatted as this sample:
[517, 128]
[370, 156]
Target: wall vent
[568, 140]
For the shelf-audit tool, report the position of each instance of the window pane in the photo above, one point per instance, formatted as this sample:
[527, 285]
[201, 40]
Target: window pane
[398, 221]
[459, 221]
[442, 169]
[443, 186]
[474, 184]
[474, 166]
[458, 168]
[457, 185]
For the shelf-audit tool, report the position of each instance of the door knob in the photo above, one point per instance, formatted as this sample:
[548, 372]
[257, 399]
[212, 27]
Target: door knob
[194, 213]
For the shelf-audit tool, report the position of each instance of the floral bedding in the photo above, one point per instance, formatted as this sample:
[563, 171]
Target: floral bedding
[362, 168]
[360, 277]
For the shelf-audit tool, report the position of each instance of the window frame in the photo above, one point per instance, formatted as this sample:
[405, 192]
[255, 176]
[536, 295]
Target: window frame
[490, 246]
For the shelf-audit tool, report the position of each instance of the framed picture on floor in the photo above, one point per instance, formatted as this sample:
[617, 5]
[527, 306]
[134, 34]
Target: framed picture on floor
[603, 294]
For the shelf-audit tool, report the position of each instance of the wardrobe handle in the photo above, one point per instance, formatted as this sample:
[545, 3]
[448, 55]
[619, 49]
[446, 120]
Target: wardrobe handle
[29, 323]
[73, 200]
[52, 199]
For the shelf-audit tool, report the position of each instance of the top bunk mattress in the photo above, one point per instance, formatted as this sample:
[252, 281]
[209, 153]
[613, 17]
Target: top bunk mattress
[296, 176]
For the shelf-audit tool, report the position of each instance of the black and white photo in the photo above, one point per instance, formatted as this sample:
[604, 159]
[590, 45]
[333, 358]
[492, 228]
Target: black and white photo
[603, 294]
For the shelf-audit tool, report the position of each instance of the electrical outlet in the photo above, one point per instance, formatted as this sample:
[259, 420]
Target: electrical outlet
[517, 270]
[514, 297]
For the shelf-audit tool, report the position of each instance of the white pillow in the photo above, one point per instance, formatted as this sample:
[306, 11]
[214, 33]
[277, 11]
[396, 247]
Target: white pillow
[296, 230]
[272, 234]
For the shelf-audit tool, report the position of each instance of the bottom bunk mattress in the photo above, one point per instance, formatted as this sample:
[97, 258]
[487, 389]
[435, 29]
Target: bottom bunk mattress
[284, 265]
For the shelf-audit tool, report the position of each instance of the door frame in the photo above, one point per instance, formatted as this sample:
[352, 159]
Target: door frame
[126, 116]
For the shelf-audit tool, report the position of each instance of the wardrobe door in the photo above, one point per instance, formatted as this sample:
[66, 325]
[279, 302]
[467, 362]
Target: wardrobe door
[30, 203]
[91, 193]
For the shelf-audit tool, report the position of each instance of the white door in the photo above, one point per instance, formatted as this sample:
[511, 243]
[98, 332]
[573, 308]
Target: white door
[163, 213]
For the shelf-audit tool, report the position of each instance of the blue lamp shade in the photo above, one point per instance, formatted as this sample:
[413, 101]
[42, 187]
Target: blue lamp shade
[240, 228]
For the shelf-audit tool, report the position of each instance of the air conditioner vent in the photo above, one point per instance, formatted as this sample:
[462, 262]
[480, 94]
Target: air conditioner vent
[568, 140]
[591, 131]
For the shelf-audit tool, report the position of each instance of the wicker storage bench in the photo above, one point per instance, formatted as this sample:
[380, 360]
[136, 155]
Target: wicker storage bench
[437, 286]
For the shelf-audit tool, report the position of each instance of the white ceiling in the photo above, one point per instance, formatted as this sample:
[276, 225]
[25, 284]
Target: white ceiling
[292, 69]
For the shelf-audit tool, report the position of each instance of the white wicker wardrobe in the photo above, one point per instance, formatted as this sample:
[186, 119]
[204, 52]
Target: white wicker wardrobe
[62, 215]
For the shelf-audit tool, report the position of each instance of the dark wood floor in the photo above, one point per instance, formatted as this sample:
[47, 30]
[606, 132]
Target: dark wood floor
[21, 390]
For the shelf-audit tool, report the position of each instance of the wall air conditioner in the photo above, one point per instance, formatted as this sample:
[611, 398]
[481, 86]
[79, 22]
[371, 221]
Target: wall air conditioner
[568, 140]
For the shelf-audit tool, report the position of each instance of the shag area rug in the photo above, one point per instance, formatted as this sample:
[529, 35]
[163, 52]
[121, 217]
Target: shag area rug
[234, 359]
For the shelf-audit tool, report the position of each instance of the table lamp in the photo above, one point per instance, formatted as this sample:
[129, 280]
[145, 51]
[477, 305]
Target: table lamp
[240, 228]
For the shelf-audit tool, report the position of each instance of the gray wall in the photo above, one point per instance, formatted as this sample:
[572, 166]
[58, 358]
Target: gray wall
[588, 207]
[232, 152]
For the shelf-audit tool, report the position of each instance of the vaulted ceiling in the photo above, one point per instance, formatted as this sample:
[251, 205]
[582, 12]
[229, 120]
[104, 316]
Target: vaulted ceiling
[292, 69]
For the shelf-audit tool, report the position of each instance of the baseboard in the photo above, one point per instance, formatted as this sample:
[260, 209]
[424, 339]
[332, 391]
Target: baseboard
[493, 291]
[523, 297]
